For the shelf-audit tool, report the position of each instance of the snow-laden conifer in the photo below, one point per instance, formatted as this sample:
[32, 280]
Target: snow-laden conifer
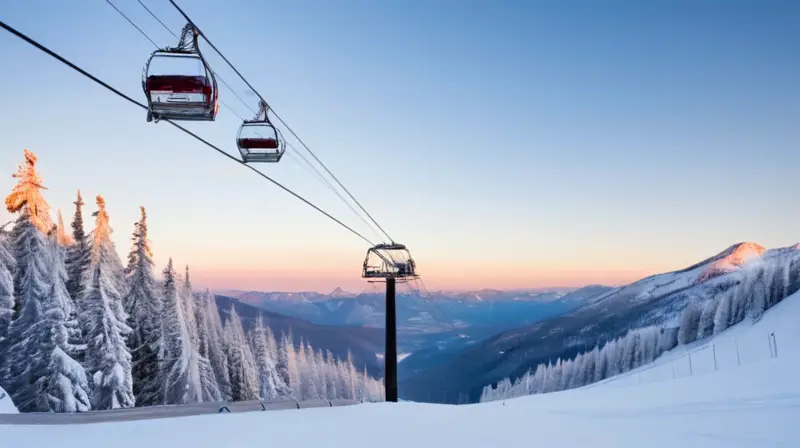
[241, 363]
[108, 359]
[188, 302]
[143, 305]
[7, 266]
[76, 346]
[216, 344]
[270, 383]
[189, 377]
[38, 372]
[77, 253]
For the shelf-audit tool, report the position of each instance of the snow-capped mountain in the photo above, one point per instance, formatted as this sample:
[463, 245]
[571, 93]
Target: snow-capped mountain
[339, 292]
[744, 271]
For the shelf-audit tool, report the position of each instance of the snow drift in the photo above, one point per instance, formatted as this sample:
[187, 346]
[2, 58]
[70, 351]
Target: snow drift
[6, 404]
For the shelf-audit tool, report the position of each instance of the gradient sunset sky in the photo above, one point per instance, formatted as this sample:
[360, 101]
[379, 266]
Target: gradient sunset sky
[509, 144]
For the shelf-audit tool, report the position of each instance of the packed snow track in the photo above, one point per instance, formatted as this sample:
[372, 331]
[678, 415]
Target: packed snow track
[159, 412]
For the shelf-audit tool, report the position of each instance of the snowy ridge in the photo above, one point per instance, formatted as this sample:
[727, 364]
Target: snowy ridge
[743, 280]
[643, 345]
[775, 335]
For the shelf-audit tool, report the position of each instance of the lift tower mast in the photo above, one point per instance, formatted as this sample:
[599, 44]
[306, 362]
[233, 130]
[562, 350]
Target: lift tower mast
[390, 263]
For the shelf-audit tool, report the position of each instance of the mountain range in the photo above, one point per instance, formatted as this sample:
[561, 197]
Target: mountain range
[417, 312]
[430, 329]
[744, 268]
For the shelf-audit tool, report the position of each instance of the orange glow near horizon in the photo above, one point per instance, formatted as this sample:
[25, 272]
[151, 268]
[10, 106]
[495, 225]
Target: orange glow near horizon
[325, 280]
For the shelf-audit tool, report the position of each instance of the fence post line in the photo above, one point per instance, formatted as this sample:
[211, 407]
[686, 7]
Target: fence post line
[774, 343]
[689, 355]
[738, 358]
[714, 354]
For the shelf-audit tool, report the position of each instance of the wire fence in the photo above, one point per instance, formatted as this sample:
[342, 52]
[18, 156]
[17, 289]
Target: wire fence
[722, 354]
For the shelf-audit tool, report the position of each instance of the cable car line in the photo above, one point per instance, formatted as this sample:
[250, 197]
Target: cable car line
[417, 282]
[328, 184]
[281, 120]
[444, 319]
[310, 165]
[157, 19]
[61, 59]
[132, 24]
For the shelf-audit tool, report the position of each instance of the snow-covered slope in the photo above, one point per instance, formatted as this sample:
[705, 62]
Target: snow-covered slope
[6, 405]
[775, 334]
[743, 271]
[756, 405]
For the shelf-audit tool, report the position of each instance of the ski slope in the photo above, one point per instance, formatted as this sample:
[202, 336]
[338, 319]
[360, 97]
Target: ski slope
[756, 404]
[753, 406]
[775, 334]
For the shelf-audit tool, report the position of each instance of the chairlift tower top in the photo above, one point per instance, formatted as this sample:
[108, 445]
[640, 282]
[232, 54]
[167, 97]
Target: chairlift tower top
[389, 261]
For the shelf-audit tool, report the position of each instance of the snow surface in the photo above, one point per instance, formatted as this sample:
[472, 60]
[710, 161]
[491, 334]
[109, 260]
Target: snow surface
[6, 404]
[756, 404]
[740, 345]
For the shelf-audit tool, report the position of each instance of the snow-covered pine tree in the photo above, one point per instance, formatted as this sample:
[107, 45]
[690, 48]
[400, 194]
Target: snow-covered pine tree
[216, 345]
[270, 383]
[175, 343]
[188, 303]
[7, 266]
[241, 363]
[283, 361]
[689, 324]
[203, 325]
[350, 375]
[331, 385]
[78, 253]
[76, 346]
[319, 377]
[272, 344]
[706, 326]
[310, 376]
[143, 306]
[63, 238]
[199, 366]
[722, 318]
[189, 377]
[108, 358]
[38, 373]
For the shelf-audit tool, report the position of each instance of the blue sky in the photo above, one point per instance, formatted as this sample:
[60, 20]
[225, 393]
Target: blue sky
[508, 144]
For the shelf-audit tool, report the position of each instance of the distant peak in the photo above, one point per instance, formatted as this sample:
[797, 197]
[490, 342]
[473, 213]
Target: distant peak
[750, 244]
[741, 252]
[732, 258]
[339, 292]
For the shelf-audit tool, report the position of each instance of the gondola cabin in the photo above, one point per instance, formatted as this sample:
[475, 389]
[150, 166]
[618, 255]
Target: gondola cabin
[179, 86]
[259, 141]
[389, 261]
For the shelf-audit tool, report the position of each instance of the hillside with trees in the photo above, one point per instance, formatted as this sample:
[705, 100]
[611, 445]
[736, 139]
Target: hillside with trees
[80, 330]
